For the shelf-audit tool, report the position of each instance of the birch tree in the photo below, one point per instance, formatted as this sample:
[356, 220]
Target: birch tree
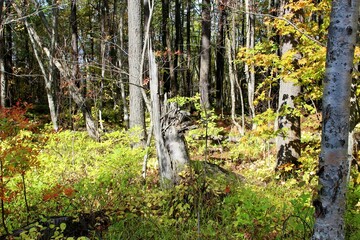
[2, 57]
[333, 160]
[250, 44]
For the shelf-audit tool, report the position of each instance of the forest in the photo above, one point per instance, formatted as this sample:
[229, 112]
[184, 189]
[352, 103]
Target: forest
[183, 119]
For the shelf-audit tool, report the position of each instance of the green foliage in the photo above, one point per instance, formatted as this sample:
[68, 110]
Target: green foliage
[257, 143]
[352, 216]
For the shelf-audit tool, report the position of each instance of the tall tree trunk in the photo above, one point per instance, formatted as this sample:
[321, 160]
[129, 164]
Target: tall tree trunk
[103, 21]
[177, 46]
[205, 57]
[91, 126]
[220, 54]
[120, 65]
[333, 161]
[137, 118]
[51, 84]
[231, 53]
[8, 51]
[288, 142]
[250, 44]
[164, 39]
[188, 49]
[67, 73]
[2, 58]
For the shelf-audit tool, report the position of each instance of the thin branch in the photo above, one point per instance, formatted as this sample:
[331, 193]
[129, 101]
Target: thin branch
[287, 21]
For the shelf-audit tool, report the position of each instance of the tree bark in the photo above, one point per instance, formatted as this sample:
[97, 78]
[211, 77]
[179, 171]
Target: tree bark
[288, 141]
[137, 118]
[2, 58]
[231, 53]
[50, 85]
[170, 143]
[178, 48]
[220, 54]
[121, 81]
[333, 161]
[250, 44]
[67, 73]
[188, 49]
[77, 85]
[205, 58]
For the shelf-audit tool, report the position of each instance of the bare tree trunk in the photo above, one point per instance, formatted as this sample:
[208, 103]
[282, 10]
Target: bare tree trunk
[104, 16]
[205, 57]
[230, 47]
[91, 126]
[2, 59]
[67, 74]
[8, 55]
[50, 85]
[177, 45]
[333, 161]
[250, 43]
[188, 49]
[137, 118]
[121, 81]
[220, 54]
[288, 142]
[170, 143]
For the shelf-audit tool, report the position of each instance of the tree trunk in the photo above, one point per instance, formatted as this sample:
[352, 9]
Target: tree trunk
[121, 81]
[2, 59]
[67, 73]
[178, 44]
[8, 35]
[91, 126]
[103, 20]
[231, 53]
[170, 143]
[250, 43]
[205, 58]
[288, 141]
[137, 118]
[220, 54]
[164, 38]
[333, 161]
[188, 50]
[50, 85]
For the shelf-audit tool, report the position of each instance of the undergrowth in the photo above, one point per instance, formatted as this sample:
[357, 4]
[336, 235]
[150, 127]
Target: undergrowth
[243, 198]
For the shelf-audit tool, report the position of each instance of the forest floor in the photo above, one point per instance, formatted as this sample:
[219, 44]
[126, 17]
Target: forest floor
[80, 189]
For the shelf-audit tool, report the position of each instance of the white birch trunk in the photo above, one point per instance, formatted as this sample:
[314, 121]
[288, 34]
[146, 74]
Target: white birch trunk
[333, 161]
[250, 43]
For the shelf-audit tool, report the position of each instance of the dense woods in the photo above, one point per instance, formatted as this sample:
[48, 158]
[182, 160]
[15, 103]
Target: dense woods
[158, 119]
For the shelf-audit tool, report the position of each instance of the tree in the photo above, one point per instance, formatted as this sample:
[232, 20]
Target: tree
[51, 80]
[333, 160]
[2, 58]
[288, 142]
[220, 53]
[205, 57]
[137, 118]
[250, 43]
[76, 86]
